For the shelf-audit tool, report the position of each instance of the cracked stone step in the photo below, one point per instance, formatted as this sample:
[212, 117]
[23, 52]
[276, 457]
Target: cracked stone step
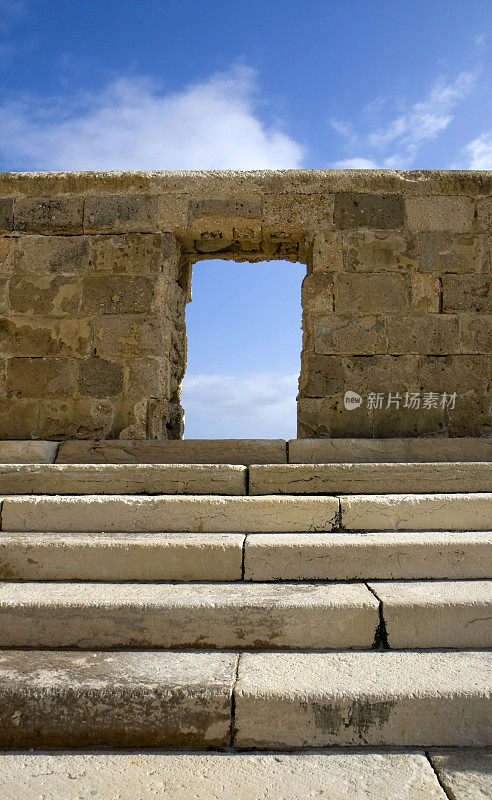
[67, 479]
[168, 513]
[125, 699]
[462, 512]
[421, 614]
[395, 450]
[421, 698]
[238, 615]
[26, 452]
[174, 451]
[369, 478]
[465, 774]
[344, 775]
[121, 556]
[365, 556]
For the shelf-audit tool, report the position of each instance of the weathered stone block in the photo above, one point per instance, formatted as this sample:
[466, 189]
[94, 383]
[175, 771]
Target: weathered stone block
[52, 255]
[6, 214]
[327, 416]
[379, 251]
[7, 248]
[357, 210]
[75, 419]
[48, 214]
[436, 334]
[44, 295]
[392, 422]
[129, 334]
[118, 294]
[317, 292]
[130, 253]
[149, 377]
[216, 223]
[475, 333]
[484, 214]
[454, 373]
[426, 292]
[172, 211]
[296, 214]
[120, 214]
[385, 373]
[466, 293]
[99, 377]
[18, 418]
[440, 213]
[43, 336]
[326, 253]
[4, 295]
[321, 375]
[351, 335]
[442, 252]
[471, 415]
[370, 293]
[42, 377]
[3, 377]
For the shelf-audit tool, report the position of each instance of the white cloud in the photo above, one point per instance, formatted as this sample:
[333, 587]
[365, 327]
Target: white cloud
[394, 140]
[242, 406]
[480, 152]
[132, 125]
[355, 163]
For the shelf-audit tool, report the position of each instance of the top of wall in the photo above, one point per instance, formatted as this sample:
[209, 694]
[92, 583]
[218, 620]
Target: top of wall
[234, 182]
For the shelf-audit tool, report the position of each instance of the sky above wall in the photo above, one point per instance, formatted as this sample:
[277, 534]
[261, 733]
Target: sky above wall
[249, 84]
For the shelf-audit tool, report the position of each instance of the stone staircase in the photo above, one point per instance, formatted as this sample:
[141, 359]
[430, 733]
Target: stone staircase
[267, 613]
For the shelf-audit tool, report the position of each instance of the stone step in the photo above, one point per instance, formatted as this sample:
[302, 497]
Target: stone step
[124, 699]
[229, 479]
[362, 556]
[268, 513]
[121, 556]
[384, 555]
[374, 478]
[67, 479]
[431, 614]
[168, 513]
[174, 451]
[228, 615]
[422, 698]
[356, 774]
[282, 701]
[461, 512]
[396, 450]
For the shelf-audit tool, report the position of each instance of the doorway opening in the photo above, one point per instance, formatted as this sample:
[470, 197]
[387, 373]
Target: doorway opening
[244, 343]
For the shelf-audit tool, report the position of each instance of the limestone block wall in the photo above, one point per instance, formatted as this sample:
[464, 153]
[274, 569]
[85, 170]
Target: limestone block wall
[95, 274]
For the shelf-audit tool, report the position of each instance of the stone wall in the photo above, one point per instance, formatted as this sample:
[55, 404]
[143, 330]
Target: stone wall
[95, 273]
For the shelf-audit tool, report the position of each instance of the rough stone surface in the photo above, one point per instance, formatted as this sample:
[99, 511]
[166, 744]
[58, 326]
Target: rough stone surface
[66, 479]
[121, 557]
[97, 267]
[332, 775]
[464, 774]
[195, 513]
[409, 512]
[228, 615]
[370, 478]
[125, 699]
[289, 700]
[187, 451]
[28, 452]
[362, 556]
[318, 451]
[435, 614]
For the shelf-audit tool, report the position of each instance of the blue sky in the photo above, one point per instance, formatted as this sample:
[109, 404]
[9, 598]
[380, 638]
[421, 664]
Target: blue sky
[245, 84]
